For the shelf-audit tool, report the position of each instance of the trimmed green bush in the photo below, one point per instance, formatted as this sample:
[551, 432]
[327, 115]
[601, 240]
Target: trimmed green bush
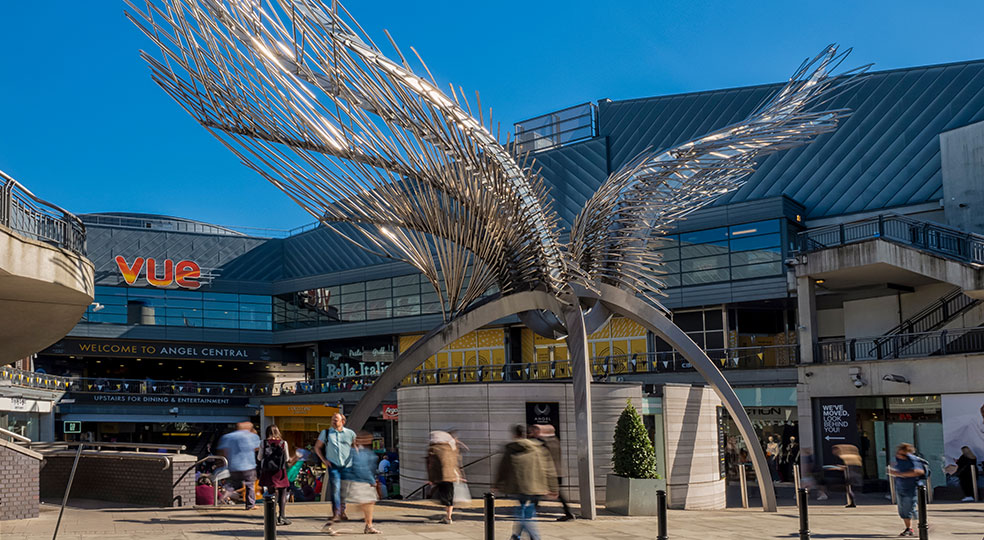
[633, 454]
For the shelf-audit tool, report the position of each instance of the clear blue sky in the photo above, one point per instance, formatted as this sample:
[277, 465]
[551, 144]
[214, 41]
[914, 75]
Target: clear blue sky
[84, 127]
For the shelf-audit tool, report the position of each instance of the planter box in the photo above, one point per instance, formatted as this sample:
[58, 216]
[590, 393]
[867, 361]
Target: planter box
[632, 496]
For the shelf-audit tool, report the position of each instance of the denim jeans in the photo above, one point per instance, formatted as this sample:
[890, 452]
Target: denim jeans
[524, 514]
[335, 485]
[907, 505]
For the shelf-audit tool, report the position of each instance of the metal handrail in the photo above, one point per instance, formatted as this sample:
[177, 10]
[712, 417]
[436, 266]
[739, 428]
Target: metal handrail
[215, 483]
[52, 446]
[920, 344]
[28, 214]
[105, 385]
[14, 436]
[465, 466]
[924, 235]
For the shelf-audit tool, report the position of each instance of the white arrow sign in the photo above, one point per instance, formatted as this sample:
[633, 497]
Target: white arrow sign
[828, 437]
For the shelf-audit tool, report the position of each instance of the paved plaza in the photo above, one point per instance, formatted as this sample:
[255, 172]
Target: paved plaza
[418, 521]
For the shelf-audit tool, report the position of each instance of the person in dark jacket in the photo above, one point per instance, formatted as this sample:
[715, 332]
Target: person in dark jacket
[273, 471]
[526, 472]
[966, 469]
[547, 436]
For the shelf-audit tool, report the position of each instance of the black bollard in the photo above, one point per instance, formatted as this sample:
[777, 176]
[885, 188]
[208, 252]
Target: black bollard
[803, 503]
[923, 525]
[489, 516]
[270, 517]
[661, 515]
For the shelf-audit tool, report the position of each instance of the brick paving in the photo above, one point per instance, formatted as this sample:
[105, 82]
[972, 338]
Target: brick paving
[418, 521]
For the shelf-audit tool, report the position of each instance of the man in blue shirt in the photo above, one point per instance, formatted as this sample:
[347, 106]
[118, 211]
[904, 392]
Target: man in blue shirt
[239, 447]
[334, 447]
[907, 472]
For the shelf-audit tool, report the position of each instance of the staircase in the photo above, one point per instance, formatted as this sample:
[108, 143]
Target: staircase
[933, 317]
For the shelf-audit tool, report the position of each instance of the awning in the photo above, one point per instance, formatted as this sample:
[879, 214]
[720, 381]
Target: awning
[154, 418]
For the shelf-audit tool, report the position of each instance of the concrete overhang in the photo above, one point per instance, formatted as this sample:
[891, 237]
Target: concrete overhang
[44, 291]
[876, 262]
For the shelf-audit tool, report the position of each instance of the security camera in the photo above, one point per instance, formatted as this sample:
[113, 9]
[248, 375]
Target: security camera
[96, 306]
[858, 380]
[896, 378]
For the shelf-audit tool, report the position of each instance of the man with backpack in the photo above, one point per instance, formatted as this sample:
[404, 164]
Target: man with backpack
[239, 448]
[527, 473]
[334, 448]
[909, 471]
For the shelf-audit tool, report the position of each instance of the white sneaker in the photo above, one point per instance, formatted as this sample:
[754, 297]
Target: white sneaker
[967, 499]
[822, 497]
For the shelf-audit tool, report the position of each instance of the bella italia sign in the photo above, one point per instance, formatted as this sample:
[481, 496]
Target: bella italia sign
[352, 369]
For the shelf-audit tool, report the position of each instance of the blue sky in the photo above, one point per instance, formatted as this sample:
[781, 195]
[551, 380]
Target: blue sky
[85, 127]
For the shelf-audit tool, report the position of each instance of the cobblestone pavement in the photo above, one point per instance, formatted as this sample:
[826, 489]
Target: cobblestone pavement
[418, 521]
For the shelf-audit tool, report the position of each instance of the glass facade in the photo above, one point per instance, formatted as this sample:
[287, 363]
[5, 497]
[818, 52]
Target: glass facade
[746, 251]
[400, 296]
[176, 307]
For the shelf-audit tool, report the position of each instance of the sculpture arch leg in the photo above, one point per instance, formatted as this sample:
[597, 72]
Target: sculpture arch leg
[625, 303]
[439, 338]
[577, 350]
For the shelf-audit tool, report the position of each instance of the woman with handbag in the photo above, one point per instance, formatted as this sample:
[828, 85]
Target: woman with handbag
[443, 470]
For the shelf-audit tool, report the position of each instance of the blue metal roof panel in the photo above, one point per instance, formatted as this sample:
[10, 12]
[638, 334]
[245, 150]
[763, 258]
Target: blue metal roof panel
[885, 154]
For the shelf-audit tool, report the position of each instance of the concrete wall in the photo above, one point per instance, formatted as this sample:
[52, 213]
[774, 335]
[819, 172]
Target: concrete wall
[483, 415]
[958, 373]
[693, 477]
[127, 477]
[830, 323]
[874, 316]
[44, 291]
[19, 485]
[962, 156]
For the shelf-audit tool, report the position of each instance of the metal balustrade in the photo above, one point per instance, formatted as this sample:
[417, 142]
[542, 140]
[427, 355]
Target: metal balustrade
[105, 385]
[924, 235]
[923, 344]
[28, 215]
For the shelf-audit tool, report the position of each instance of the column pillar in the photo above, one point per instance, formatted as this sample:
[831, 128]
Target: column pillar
[806, 315]
[577, 350]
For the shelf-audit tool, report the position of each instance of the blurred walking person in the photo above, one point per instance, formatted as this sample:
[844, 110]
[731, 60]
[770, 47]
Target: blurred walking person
[907, 471]
[443, 470]
[547, 435]
[273, 469]
[851, 459]
[359, 480]
[239, 448]
[526, 472]
[334, 448]
[966, 470]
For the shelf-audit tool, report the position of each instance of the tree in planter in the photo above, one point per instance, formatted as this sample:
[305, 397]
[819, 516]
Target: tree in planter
[633, 454]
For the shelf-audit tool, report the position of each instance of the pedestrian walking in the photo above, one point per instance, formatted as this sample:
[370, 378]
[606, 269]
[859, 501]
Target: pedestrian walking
[547, 435]
[443, 470]
[851, 466]
[359, 480]
[273, 469]
[526, 472]
[239, 448]
[966, 470]
[334, 448]
[907, 471]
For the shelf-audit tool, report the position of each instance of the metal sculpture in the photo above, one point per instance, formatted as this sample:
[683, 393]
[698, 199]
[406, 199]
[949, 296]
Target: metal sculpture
[302, 95]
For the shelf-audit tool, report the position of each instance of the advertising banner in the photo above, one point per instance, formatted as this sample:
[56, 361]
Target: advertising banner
[391, 411]
[838, 423]
[963, 425]
[300, 409]
[156, 399]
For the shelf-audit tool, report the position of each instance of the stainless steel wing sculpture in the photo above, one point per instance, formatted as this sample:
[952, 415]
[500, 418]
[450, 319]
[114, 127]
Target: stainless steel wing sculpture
[298, 91]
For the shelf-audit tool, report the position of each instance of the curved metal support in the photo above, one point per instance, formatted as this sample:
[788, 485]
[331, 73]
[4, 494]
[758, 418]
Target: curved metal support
[442, 336]
[628, 305]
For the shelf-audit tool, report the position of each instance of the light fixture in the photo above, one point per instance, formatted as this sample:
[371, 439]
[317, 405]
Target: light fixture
[160, 363]
[201, 361]
[891, 377]
[251, 363]
[820, 281]
[220, 365]
[180, 367]
[99, 361]
[139, 359]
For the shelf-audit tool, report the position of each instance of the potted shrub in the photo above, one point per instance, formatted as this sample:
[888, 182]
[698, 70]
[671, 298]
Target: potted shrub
[631, 490]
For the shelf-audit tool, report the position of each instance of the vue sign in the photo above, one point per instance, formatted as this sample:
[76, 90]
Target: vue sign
[183, 274]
